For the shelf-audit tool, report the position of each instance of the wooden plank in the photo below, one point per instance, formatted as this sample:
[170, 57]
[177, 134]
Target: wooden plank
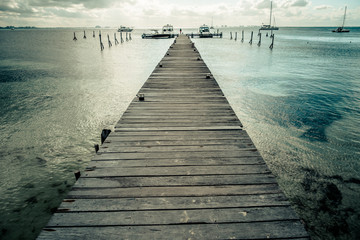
[171, 217]
[255, 230]
[174, 191]
[156, 181]
[177, 171]
[171, 203]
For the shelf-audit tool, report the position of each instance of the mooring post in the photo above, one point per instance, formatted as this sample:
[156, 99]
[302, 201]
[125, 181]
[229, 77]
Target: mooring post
[84, 35]
[115, 39]
[242, 36]
[104, 134]
[272, 41]
[230, 35]
[235, 36]
[251, 38]
[77, 175]
[259, 43]
[74, 37]
[101, 44]
[109, 40]
[96, 146]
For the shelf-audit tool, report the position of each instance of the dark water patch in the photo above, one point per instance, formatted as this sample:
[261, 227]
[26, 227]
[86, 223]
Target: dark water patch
[31, 200]
[29, 185]
[21, 75]
[322, 206]
[353, 180]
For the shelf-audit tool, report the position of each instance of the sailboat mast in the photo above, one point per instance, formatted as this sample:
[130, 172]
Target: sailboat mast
[270, 12]
[344, 17]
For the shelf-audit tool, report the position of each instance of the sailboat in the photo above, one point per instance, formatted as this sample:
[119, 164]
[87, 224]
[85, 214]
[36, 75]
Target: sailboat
[269, 27]
[341, 29]
[212, 23]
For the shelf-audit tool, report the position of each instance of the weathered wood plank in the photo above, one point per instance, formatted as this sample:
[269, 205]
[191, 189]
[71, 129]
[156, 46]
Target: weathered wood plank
[255, 230]
[177, 171]
[170, 217]
[204, 180]
[172, 203]
[174, 191]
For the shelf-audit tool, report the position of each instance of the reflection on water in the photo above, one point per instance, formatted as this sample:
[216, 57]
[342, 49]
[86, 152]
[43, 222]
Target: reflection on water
[299, 103]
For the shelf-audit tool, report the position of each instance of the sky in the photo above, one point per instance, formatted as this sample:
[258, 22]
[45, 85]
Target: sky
[180, 13]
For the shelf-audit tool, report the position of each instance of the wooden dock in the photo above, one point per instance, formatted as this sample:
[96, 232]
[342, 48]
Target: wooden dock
[178, 166]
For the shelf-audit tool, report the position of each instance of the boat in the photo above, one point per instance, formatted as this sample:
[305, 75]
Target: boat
[341, 29]
[204, 32]
[167, 32]
[124, 29]
[268, 27]
[212, 23]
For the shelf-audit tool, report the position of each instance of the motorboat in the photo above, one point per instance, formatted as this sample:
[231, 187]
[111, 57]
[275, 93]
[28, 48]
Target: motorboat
[124, 29]
[204, 32]
[166, 32]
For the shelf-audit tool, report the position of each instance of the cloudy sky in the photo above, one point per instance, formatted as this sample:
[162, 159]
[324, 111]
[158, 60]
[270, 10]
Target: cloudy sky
[180, 13]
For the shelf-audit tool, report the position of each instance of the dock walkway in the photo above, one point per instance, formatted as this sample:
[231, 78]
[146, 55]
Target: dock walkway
[178, 166]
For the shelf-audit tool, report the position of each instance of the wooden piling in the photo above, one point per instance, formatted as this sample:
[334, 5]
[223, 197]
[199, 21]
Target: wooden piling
[84, 35]
[115, 39]
[259, 43]
[109, 42]
[235, 36]
[230, 35]
[93, 34]
[272, 41]
[74, 37]
[251, 38]
[101, 44]
[127, 37]
[178, 166]
[242, 36]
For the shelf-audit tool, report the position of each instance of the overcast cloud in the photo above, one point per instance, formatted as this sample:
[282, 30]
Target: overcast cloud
[184, 13]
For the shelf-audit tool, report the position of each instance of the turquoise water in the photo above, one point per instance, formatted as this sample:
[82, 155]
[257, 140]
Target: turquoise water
[299, 103]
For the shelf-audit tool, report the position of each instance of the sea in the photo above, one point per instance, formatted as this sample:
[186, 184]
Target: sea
[299, 102]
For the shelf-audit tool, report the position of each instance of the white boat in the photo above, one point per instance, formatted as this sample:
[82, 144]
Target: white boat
[167, 32]
[341, 29]
[124, 29]
[204, 32]
[268, 27]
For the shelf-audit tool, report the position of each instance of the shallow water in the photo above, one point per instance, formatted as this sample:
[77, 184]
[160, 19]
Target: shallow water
[299, 103]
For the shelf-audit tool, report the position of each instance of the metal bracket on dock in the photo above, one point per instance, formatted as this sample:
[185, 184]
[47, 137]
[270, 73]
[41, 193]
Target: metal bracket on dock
[141, 96]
